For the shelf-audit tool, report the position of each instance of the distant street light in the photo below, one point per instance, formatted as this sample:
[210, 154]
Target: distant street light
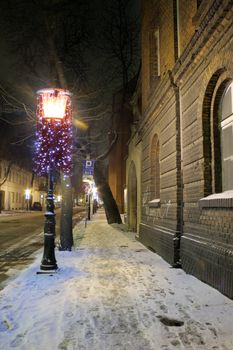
[27, 197]
[53, 152]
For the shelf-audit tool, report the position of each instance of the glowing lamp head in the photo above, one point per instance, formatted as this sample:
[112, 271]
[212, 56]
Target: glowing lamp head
[53, 103]
[27, 193]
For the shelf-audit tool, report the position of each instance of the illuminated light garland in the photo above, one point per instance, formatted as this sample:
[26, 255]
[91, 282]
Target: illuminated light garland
[53, 146]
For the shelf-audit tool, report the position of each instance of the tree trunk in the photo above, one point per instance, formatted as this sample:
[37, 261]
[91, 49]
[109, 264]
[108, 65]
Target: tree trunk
[110, 206]
[66, 234]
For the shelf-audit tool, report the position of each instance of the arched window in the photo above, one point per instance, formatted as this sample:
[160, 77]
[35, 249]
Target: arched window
[217, 118]
[227, 138]
[155, 168]
[212, 134]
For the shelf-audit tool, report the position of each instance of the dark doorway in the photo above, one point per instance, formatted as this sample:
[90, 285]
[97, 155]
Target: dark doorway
[2, 199]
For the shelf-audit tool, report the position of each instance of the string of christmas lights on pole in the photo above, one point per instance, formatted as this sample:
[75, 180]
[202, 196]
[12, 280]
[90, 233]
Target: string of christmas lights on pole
[53, 148]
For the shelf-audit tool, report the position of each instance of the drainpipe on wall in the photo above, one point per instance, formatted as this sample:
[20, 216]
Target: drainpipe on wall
[179, 138]
[179, 158]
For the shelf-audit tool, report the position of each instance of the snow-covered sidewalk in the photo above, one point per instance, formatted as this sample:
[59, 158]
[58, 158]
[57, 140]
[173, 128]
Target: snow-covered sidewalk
[112, 293]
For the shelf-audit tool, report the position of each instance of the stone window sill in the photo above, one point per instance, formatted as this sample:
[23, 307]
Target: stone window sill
[217, 200]
[155, 203]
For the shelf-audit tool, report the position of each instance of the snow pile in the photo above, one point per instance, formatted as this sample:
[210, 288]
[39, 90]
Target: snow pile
[222, 195]
[223, 199]
[112, 293]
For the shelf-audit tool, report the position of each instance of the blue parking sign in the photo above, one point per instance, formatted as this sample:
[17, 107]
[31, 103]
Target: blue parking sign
[88, 167]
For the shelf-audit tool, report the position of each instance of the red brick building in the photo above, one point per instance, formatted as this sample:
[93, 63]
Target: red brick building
[121, 121]
[187, 136]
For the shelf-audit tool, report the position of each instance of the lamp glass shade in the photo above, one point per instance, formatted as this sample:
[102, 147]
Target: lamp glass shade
[54, 102]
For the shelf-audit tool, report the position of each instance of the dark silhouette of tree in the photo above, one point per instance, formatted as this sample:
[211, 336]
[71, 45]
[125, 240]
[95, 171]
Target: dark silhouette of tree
[50, 42]
[111, 209]
[48, 39]
[118, 44]
[120, 41]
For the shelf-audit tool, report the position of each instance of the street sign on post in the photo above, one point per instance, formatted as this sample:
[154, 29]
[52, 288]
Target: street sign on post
[88, 170]
[88, 167]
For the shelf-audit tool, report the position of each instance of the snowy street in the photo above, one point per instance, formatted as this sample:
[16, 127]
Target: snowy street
[111, 292]
[17, 246]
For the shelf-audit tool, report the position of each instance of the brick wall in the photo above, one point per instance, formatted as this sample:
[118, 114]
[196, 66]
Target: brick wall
[179, 109]
[166, 30]
[206, 244]
[161, 121]
[117, 156]
[187, 28]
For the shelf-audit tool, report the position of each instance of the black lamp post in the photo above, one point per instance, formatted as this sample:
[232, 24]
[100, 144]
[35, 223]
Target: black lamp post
[53, 152]
[49, 261]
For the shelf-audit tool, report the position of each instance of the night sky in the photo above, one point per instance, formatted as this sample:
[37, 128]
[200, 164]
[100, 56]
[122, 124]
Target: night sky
[12, 72]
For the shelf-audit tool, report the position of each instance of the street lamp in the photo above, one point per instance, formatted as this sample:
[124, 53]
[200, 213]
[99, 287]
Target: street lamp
[53, 152]
[27, 197]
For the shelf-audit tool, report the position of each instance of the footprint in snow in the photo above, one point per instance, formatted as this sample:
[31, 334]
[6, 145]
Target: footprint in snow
[17, 341]
[53, 292]
[6, 307]
[4, 326]
[7, 325]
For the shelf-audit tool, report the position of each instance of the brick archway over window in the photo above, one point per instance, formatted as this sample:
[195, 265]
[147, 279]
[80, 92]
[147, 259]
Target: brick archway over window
[211, 118]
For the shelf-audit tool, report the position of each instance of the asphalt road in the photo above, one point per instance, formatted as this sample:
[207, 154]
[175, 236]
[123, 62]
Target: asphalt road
[21, 235]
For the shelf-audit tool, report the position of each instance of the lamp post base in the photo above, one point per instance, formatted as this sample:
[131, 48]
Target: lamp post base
[51, 273]
[50, 267]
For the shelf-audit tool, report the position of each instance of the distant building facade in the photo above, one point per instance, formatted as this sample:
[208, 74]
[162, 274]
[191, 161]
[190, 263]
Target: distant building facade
[186, 132]
[13, 191]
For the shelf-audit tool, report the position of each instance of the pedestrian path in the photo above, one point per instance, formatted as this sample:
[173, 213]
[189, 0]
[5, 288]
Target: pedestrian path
[111, 292]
